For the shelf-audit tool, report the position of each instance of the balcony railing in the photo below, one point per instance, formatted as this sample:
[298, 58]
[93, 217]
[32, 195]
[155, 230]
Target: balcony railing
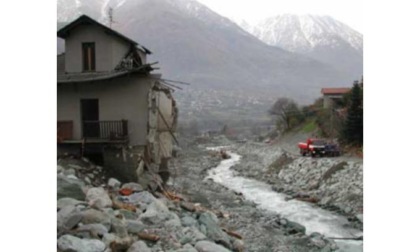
[109, 130]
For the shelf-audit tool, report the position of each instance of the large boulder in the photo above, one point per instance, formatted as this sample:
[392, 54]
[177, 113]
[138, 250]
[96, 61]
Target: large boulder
[292, 227]
[156, 212]
[98, 198]
[134, 226]
[69, 187]
[191, 235]
[91, 216]
[144, 198]
[114, 183]
[69, 243]
[63, 202]
[68, 217]
[213, 231]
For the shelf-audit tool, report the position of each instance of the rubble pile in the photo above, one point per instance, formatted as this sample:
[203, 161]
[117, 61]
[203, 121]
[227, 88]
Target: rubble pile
[108, 216]
[335, 184]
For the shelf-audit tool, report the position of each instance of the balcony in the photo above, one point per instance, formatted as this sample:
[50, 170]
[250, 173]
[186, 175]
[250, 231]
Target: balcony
[94, 132]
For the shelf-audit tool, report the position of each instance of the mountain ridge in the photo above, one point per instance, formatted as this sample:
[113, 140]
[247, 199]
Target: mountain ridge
[322, 38]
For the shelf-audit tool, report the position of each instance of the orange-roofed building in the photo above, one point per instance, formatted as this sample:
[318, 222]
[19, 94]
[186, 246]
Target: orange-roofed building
[332, 94]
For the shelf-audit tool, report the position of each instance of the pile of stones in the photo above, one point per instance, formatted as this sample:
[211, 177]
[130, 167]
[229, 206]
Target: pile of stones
[94, 215]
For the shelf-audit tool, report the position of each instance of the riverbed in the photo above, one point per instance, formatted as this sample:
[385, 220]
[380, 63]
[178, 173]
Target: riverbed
[314, 219]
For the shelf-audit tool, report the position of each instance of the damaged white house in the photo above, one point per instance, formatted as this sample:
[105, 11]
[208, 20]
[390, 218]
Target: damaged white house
[109, 104]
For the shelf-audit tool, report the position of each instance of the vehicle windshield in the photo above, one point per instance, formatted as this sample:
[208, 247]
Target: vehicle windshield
[318, 142]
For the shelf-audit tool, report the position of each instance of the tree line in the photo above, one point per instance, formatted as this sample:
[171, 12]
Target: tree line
[344, 120]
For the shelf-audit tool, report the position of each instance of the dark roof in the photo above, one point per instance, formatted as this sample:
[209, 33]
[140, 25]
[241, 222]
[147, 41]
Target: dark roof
[64, 32]
[331, 91]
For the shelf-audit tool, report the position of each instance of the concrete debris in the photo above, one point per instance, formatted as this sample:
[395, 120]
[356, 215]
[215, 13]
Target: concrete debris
[96, 216]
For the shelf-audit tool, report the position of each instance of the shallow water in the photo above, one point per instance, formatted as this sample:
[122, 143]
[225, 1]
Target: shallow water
[313, 218]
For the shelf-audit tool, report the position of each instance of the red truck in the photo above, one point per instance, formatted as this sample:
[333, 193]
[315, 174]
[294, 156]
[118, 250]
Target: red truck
[319, 147]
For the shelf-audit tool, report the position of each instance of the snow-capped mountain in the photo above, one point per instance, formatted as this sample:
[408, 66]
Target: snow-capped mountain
[320, 37]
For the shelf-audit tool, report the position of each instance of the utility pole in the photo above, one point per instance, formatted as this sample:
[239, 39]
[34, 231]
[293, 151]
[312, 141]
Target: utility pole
[331, 122]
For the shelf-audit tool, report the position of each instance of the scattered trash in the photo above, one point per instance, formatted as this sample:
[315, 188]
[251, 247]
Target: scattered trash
[148, 237]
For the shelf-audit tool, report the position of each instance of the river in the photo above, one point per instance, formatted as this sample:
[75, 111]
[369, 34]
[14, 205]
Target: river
[312, 217]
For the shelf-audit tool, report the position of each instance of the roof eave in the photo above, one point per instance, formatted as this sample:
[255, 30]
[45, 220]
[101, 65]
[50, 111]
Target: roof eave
[64, 31]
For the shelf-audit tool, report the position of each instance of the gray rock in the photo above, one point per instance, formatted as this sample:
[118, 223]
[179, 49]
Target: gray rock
[139, 246]
[187, 248]
[109, 211]
[238, 245]
[118, 227]
[129, 215]
[203, 229]
[347, 210]
[359, 217]
[71, 176]
[68, 217]
[95, 230]
[59, 168]
[71, 188]
[76, 167]
[143, 198]
[91, 216]
[134, 226]
[294, 228]
[87, 180]
[69, 171]
[325, 200]
[214, 232]
[283, 222]
[174, 222]
[156, 212]
[69, 243]
[98, 198]
[114, 183]
[191, 235]
[188, 221]
[69, 202]
[108, 238]
[317, 240]
[207, 246]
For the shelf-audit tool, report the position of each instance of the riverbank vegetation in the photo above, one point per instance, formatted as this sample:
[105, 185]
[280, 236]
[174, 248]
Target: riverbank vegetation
[342, 120]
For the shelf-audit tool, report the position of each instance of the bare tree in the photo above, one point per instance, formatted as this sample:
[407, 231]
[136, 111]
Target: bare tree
[286, 110]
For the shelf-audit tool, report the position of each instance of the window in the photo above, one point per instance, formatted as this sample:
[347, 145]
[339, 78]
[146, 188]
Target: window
[88, 54]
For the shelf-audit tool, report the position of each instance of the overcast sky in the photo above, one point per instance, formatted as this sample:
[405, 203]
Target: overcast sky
[346, 11]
